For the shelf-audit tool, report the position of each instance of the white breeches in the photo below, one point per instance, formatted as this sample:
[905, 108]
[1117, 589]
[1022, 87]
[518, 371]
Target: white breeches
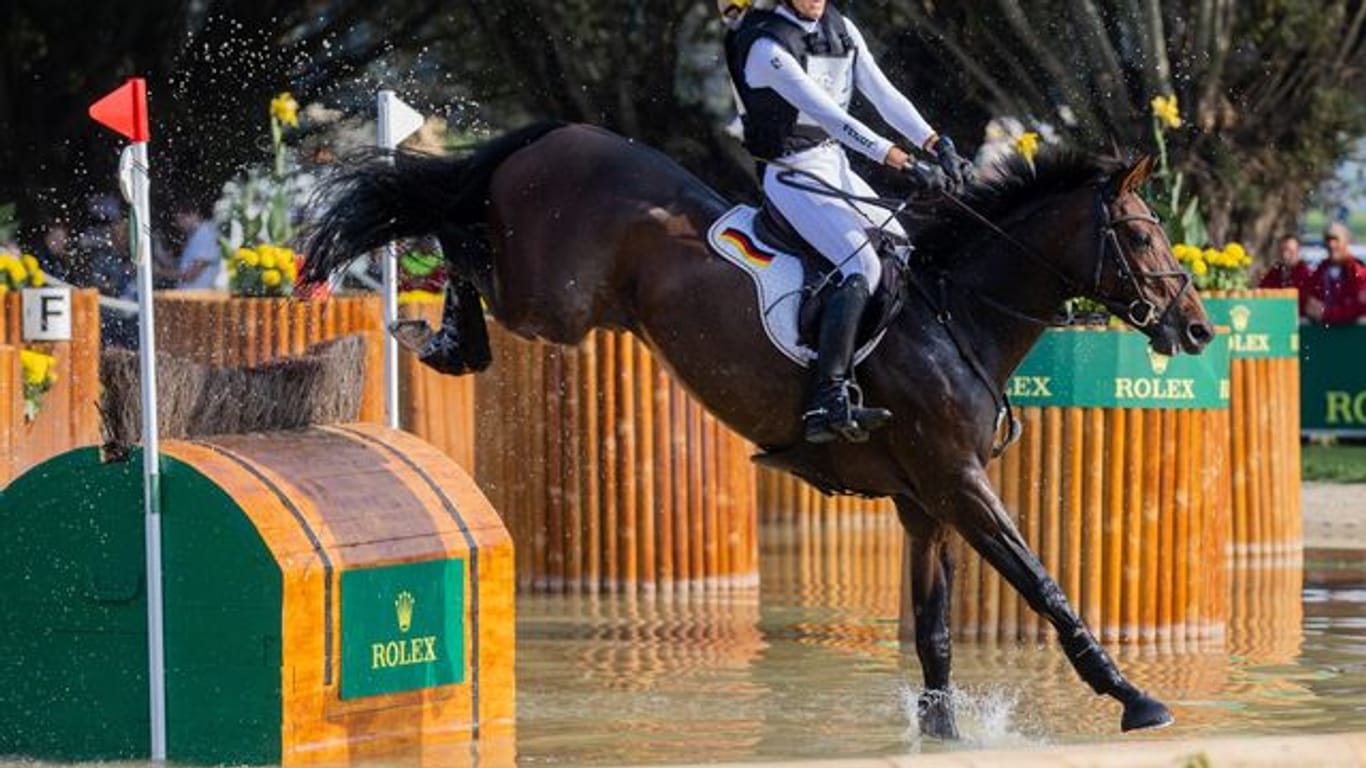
[835, 227]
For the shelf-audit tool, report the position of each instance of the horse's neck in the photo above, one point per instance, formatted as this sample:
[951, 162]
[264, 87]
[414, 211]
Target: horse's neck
[998, 273]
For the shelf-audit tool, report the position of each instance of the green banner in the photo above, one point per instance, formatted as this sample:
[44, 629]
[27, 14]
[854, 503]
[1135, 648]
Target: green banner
[1111, 368]
[1333, 379]
[1262, 327]
[402, 627]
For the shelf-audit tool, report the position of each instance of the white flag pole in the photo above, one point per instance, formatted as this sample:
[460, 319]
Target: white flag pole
[397, 121]
[151, 443]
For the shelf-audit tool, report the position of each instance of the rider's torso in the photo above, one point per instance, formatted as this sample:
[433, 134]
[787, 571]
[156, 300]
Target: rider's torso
[773, 127]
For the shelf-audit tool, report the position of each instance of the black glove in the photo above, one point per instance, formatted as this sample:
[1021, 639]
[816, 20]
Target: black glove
[960, 171]
[926, 178]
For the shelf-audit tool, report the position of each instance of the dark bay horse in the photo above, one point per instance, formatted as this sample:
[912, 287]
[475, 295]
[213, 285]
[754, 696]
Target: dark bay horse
[566, 228]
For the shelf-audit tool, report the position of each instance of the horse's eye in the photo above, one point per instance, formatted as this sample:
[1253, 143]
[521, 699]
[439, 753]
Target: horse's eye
[1145, 239]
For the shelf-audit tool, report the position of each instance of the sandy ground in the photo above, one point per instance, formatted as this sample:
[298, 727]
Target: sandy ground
[1334, 516]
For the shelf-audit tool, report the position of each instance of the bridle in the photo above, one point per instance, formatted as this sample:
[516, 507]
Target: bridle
[1141, 311]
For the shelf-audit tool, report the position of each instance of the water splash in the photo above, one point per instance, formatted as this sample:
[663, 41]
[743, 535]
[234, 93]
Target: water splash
[986, 720]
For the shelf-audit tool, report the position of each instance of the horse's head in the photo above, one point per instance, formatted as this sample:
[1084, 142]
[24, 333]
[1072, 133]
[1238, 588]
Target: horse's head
[1136, 275]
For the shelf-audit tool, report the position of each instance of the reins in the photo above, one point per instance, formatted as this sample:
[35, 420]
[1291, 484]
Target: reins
[1141, 312]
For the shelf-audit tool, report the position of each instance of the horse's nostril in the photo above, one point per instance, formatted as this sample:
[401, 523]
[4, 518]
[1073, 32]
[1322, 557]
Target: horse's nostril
[1199, 333]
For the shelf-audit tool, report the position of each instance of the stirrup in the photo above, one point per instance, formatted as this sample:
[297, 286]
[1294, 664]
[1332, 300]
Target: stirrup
[837, 416]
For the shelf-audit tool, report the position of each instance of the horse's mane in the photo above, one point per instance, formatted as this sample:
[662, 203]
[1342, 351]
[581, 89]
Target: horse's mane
[1014, 185]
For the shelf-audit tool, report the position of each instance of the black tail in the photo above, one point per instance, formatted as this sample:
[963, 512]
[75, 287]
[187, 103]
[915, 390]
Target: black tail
[375, 201]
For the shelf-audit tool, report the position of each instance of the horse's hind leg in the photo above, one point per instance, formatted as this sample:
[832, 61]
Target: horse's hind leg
[981, 519]
[931, 583]
[461, 344]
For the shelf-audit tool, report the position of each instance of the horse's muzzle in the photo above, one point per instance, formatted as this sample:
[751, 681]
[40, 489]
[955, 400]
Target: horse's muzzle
[1198, 335]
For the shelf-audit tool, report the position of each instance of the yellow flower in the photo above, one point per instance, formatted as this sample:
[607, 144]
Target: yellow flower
[37, 367]
[270, 278]
[30, 264]
[268, 260]
[37, 279]
[1199, 268]
[247, 257]
[1028, 146]
[1166, 110]
[16, 272]
[1185, 253]
[285, 109]
[288, 266]
[1237, 255]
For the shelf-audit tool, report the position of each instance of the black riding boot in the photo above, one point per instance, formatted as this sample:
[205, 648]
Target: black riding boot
[833, 410]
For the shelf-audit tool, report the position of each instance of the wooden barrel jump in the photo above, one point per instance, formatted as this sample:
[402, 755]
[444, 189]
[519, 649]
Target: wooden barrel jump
[212, 328]
[1264, 451]
[331, 595]
[69, 417]
[609, 475]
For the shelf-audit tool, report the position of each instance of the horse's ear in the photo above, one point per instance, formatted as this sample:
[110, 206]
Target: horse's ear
[1128, 180]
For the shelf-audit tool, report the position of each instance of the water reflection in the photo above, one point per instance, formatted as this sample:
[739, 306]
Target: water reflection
[809, 666]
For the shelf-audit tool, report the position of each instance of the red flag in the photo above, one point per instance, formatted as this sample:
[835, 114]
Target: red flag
[125, 110]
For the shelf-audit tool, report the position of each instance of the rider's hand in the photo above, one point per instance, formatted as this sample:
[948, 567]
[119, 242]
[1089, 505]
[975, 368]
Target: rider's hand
[926, 178]
[959, 171]
[897, 158]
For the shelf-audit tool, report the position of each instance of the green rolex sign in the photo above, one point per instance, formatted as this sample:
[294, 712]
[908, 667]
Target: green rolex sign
[1261, 327]
[1110, 368]
[1333, 380]
[402, 627]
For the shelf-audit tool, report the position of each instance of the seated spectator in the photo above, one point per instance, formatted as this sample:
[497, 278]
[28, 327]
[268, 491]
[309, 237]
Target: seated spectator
[1338, 286]
[1290, 271]
[200, 259]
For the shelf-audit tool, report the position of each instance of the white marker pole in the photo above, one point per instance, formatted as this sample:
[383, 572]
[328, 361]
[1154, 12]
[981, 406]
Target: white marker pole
[397, 121]
[140, 184]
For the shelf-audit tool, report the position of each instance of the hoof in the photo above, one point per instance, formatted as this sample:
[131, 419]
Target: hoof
[1143, 712]
[934, 711]
[412, 335]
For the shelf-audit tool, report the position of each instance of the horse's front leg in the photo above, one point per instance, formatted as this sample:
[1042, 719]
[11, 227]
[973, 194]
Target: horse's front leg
[461, 344]
[931, 572]
[979, 516]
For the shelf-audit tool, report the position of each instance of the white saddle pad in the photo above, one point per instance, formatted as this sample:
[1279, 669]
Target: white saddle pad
[777, 280]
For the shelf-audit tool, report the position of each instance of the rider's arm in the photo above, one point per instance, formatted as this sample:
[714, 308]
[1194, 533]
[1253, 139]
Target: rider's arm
[769, 65]
[894, 107]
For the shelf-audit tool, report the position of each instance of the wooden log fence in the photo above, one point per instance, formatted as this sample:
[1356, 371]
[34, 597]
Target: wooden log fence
[436, 407]
[69, 417]
[211, 328]
[1126, 508]
[1264, 449]
[609, 475]
[1124, 502]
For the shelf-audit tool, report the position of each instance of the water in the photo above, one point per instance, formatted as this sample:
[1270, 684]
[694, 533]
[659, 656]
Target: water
[808, 666]
[801, 672]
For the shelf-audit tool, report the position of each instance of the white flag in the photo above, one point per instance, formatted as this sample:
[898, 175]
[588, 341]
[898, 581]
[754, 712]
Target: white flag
[397, 121]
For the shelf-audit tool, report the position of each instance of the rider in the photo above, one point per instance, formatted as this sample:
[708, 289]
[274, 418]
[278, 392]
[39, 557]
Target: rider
[794, 69]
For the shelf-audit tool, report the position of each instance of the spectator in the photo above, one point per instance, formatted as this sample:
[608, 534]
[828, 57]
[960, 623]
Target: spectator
[1338, 286]
[200, 260]
[1290, 271]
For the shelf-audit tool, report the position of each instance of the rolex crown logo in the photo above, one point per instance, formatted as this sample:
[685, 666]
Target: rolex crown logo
[1240, 314]
[1158, 360]
[403, 605]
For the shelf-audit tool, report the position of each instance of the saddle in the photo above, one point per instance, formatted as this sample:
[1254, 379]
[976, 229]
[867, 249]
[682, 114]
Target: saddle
[888, 297]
